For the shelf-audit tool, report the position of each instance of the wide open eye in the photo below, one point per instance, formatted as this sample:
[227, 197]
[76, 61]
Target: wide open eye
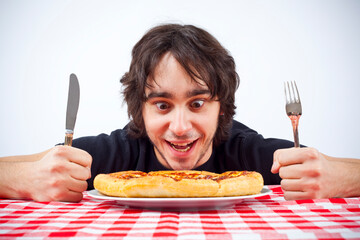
[197, 104]
[162, 106]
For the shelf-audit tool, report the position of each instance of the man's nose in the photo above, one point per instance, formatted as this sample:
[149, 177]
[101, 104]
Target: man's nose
[180, 123]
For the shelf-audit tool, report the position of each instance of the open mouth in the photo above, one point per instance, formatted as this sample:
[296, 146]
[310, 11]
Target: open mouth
[181, 147]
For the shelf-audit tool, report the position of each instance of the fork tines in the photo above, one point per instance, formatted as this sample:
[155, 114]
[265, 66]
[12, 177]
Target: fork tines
[291, 92]
[293, 108]
[292, 98]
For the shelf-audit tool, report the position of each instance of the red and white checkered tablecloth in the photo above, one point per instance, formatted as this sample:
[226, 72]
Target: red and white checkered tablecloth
[266, 217]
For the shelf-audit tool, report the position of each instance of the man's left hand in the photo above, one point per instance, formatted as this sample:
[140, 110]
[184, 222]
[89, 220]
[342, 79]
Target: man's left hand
[306, 174]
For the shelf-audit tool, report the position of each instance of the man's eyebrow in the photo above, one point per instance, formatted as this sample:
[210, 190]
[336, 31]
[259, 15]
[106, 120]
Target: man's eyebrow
[196, 92]
[189, 94]
[159, 95]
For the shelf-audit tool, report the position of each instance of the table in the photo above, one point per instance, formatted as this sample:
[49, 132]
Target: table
[266, 217]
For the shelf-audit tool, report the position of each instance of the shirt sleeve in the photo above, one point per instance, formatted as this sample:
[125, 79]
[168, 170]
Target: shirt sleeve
[259, 154]
[254, 152]
[114, 152]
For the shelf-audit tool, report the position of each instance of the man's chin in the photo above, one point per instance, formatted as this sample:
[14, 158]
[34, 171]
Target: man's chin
[181, 168]
[175, 162]
[181, 165]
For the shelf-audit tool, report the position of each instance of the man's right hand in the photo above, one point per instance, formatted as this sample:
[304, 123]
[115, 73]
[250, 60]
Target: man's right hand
[60, 174]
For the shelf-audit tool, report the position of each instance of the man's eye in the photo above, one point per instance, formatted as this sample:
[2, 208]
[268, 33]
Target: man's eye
[197, 104]
[162, 105]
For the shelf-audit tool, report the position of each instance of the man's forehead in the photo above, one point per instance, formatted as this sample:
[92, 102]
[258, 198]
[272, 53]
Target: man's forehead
[171, 79]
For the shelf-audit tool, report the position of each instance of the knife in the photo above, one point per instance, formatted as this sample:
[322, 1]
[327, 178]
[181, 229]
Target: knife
[72, 108]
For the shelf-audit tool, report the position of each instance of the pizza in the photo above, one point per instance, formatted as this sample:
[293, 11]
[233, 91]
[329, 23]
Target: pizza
[182, 183]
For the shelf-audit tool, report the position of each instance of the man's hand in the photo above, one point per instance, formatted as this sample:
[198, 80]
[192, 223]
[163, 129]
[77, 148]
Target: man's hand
[59, 175]
[308, 174]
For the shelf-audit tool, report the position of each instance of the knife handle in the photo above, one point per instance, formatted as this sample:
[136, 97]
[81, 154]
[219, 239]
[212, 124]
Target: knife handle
[68, 137]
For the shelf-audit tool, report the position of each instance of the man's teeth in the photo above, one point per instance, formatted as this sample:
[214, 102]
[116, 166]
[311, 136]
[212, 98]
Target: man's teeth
[181, 147]
[181, 144]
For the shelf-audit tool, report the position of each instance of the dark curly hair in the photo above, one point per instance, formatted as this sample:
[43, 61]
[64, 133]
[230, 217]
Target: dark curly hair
[202, 57]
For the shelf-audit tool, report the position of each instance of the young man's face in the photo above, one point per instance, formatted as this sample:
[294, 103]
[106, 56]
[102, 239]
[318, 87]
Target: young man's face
[179, 116]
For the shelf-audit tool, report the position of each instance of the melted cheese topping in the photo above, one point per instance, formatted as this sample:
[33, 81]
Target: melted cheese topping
[179, 175]
[128, 174]
[230, 174]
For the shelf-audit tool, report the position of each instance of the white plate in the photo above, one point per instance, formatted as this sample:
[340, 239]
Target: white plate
[179, 203]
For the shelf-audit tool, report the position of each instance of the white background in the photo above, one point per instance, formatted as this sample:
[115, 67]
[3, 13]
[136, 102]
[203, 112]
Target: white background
[316, 43]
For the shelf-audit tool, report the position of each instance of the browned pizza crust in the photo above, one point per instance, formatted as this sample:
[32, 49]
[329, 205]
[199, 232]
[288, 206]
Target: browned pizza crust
[240, 183]
[186, 183]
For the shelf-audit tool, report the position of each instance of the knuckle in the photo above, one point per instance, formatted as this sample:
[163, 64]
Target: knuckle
[56, 166]
[55, 182]
[312, 153]
[309, 195]
[77, 198]
[59, 151]
[287, 196]
[281, 173]
[84, 186]
[41, 198]
[57, 195]
[53, 194]
[80, 186]
[278, 155]
[89, 173]
[283, 184]
[314, 172]
[88, 160]
[311, 188]
[312, 185]
[314, 169]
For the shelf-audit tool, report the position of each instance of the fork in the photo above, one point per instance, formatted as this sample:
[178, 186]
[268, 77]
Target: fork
[293, 108]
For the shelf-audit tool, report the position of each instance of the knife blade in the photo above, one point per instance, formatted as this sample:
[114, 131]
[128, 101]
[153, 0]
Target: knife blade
[72, 108]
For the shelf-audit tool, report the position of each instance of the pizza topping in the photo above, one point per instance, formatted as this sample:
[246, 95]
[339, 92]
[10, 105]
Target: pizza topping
[128, 174]
[230, 174]
[179, 175]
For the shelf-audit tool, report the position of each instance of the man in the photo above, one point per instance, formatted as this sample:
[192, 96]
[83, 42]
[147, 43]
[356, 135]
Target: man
[180, 92]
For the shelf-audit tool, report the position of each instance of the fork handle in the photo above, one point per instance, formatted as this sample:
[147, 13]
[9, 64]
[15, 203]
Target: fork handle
[295, 124]
[296, 137]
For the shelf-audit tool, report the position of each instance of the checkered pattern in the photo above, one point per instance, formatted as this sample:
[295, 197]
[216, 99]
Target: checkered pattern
[267, 217]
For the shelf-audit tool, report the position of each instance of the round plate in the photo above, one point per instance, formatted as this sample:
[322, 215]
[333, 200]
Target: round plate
[179, 203]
